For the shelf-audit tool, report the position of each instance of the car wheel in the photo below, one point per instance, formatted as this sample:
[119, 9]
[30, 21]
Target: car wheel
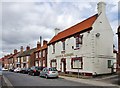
[28, 73]
[33, 74]
[40, 75]
[57, 77]
[46, 76]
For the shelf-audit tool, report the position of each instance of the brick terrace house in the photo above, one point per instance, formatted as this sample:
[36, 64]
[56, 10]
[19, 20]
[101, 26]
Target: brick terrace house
[86, 47]
[6, 61]
[25, 58]
[118, 59]
[12, 58]
[41, 54]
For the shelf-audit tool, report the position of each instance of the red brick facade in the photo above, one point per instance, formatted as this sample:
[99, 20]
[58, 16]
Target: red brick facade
[118, 60]
[41, 55]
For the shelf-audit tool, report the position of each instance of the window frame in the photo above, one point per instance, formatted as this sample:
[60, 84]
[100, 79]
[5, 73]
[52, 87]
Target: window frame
[53, 46]
[63, 45]
[109, 64]
[76, 59]
[78, 40]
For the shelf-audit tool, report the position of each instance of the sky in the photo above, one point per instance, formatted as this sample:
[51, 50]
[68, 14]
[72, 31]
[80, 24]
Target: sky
[23, 22]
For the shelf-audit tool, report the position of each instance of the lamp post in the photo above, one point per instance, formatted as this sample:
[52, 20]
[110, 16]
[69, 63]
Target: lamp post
[78, 66]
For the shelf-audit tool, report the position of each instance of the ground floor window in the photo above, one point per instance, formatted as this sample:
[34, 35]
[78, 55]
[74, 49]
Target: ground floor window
[76, 63]
[110, 63]
[36, 63]
[53, 63]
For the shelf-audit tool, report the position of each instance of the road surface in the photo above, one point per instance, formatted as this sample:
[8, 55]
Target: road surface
[18, 79]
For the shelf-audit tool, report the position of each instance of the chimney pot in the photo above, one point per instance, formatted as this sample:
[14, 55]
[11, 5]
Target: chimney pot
[44, 42]
[15, 51]
[21, 49]
[38, 45]
[101, 7]
[57, 31]
[28, 48]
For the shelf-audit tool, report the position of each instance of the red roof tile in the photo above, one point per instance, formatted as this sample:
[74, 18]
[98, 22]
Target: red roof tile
[75, 29]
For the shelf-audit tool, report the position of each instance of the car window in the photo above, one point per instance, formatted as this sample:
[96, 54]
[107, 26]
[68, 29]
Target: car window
[52, 69]
[44, 69]
[40, 68]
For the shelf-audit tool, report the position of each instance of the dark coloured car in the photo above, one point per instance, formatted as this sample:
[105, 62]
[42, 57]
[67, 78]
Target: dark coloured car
[25, 70]
[35, 70]
[11, 69]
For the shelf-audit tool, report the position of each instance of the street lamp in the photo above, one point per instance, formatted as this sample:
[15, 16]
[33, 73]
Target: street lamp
[78, 65]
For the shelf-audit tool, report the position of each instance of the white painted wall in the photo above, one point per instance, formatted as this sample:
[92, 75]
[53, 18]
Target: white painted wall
[96, 51]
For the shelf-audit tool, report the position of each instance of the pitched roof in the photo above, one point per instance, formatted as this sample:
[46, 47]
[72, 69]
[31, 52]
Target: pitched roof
[42, 48]
[75, 29]
[27, 52]
[13, 55]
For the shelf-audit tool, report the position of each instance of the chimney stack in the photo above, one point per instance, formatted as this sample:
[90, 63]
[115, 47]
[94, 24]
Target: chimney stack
[38, 45]
[15, 51]
[57, 31]
[44, 42]
[28, 48]
[101, 7]
[21, 49]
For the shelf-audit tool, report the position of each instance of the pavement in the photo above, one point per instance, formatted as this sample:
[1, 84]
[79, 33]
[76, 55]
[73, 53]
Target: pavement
[89, 81]
[2, 81]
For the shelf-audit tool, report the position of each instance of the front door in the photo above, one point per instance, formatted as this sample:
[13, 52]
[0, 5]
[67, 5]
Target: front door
[63, 65]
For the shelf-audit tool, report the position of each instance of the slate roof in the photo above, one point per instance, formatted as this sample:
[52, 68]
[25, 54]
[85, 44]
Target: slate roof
[27, 52]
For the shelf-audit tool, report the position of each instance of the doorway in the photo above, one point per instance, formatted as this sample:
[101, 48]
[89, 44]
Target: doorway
[63, 65]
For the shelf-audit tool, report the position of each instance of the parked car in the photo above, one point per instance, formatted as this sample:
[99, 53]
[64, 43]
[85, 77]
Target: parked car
[4, 69]
[25, 70]
[0, 71]
[49, 72]
[11, 69]
[17, 70]
[35, 70]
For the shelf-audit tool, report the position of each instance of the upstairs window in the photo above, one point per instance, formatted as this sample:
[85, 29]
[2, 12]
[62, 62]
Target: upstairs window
[63, 44]
[43, 53]
[40, 54]
[78, 40]
[53, 48]
[36, 55]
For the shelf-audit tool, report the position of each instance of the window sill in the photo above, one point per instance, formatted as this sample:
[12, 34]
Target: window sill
[53, 53]
[77, 68]
[63, 51]
[76, 48]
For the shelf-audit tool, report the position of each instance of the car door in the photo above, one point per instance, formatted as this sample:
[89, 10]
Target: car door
[44, 71]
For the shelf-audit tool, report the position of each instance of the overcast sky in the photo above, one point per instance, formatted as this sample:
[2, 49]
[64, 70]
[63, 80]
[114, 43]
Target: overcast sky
[22, 23]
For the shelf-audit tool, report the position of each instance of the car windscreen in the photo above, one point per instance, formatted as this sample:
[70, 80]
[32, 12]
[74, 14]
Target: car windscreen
[52, 69]
[40, 68]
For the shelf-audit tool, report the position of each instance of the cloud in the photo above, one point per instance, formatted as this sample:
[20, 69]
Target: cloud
[24, 22]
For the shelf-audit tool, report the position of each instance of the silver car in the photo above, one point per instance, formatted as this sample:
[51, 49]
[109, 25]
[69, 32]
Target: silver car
[49, 72]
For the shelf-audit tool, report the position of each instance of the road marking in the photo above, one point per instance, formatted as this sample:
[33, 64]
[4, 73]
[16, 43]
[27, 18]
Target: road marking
[8, 83]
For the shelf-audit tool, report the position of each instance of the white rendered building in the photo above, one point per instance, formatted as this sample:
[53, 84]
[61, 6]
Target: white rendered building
[86, 47]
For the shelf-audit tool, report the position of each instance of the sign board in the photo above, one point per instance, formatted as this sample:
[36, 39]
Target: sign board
[64, 55]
